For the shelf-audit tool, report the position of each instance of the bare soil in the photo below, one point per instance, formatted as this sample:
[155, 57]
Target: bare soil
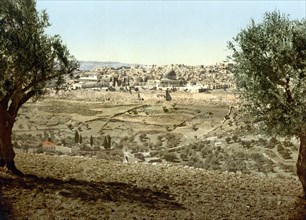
[82, 188]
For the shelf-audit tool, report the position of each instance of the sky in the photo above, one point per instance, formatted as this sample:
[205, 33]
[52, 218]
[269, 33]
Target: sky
[157, 32]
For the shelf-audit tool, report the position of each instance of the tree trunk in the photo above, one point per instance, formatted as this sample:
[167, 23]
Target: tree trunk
[301, 162]
[7, 153]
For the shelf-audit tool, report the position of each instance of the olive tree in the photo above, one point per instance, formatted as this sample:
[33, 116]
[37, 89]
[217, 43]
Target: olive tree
[28, 59]
[269, 60]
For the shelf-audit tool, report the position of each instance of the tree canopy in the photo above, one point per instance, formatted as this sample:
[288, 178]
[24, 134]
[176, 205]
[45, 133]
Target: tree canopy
[28, 56]
[269, 60]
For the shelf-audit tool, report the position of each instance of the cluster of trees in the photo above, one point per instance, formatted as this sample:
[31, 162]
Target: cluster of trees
[107, 140]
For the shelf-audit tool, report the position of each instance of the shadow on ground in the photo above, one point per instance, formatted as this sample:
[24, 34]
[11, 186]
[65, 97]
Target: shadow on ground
[5, 206]
[91, 191]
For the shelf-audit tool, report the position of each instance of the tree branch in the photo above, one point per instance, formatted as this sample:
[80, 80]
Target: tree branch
[18, 102]
[26, 97]
[288, 91]
[44, 79]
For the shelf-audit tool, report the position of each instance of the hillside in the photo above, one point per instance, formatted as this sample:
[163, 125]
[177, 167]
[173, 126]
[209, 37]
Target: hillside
[186, 130]
[89, 65]
[84, 188]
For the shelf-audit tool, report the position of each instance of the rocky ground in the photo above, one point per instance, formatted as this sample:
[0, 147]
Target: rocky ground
[82, 188]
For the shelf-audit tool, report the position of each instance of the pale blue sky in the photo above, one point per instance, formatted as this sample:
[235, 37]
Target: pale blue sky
[156, 32]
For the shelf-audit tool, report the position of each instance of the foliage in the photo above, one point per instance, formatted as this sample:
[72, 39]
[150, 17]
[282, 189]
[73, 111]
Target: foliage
[80, 139]
[171, 157]
[270, 68]
[107, 142]
[39, 150]
[246, 144]
[286, 153]
[184, 156]
[91, 140]
[143, 137]
[228, 140]
[235, 138]
[28, 56]
[76, 137]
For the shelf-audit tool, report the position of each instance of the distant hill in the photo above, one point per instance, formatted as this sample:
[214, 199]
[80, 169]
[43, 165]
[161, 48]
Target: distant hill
[89, 65]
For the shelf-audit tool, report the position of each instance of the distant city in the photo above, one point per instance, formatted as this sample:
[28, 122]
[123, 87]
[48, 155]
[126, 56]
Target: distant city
[115, 75]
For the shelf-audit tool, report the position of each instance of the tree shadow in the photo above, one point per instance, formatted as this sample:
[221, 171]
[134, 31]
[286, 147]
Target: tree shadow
[5, 206]
[93, 191]
[300, 209]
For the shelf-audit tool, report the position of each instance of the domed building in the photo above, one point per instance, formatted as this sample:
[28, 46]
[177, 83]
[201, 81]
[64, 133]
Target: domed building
[170, 80]
[171, 74]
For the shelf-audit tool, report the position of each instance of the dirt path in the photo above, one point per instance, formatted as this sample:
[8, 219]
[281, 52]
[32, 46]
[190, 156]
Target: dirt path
[80, 188]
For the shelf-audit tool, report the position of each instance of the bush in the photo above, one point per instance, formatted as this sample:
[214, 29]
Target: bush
[205, 152]
[171, 157]
[272, 143]
[228, 140]
[142, 137]
[262, 142]
[240, 156]
[230, 165]
[288, 144]
[201, 145]
[235, 138]
[160, 137]
[198, 164]
[286, 154]
[194, 159]
[39, 150]
[270, 153]
[246, 144]
[287, 168]
[184, 156]
[194, 146]
[258, 158]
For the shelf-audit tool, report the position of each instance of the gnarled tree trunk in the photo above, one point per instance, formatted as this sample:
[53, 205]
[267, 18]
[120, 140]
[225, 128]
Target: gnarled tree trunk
[301, 162]
[7, 153]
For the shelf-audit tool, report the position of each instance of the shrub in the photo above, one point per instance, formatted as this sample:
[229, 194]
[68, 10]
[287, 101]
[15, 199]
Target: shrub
[272, 143]
[263, 142]
[288, 144]
[194, 146]
[160, 137]
[235, 138]
[142, 137]
[286, 154]
[194, 159]
[199, 164]
[246, 144]
[258, 158]
[270, 153]
[184, 156]
[201, 145]
[205, 152]
[39, 150]
[240, 156]
[171, 157]
[228, 140]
